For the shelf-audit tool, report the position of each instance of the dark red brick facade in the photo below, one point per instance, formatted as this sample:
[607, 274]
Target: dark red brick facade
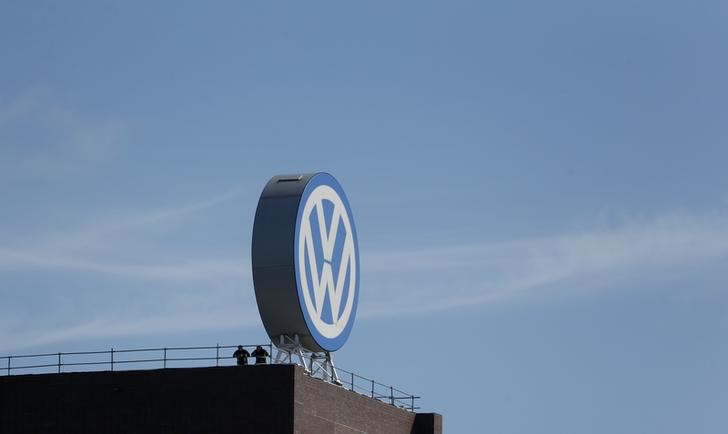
[252, 399]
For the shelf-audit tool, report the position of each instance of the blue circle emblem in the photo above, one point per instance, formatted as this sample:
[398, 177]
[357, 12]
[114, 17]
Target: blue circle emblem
[326, 261]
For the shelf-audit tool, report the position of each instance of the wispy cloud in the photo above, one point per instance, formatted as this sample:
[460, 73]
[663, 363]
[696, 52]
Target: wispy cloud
[453, 277]
[41, 136]
[178, 292]
[125, 326]
[394, 283]
[181, 270]
[77, 249]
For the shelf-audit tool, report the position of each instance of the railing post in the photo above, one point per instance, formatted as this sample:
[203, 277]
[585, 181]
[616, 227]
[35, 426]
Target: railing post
[270, 352]
[164, 363]
[412, 407]
[59, 363]
[217, 355]
[391, 394]
[352, 381]
[372, 388]
[9, 364]
[112, 359]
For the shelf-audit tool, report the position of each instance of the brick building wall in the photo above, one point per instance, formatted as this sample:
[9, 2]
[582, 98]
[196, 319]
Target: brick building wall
[253, 399]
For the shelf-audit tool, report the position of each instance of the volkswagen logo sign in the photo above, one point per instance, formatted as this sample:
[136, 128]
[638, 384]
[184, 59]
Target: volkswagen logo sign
[306, 260]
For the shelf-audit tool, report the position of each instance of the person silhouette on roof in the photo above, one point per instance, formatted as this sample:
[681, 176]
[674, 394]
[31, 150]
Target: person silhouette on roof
[260, 354]
[242, 355]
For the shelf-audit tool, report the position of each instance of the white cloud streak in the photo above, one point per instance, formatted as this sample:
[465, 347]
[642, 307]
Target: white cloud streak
[41, 137]
[181, 270]
[393, 282]
[191, 288]
[129, 327]
[70, 249]
[462, 276]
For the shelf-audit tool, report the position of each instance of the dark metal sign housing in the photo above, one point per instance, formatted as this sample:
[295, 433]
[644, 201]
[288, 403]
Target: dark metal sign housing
[306, 261]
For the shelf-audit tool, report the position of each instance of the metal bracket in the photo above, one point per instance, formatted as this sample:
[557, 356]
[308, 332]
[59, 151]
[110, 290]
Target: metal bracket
[315, 364]
[286, 348]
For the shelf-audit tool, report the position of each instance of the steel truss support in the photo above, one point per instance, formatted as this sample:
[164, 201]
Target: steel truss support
[316, 364]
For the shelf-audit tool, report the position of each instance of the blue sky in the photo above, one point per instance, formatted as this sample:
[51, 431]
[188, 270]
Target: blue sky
[540, 191]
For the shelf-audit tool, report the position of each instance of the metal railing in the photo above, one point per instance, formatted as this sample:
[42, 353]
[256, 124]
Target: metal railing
[113, 359]
[179, 357]
[373, 389]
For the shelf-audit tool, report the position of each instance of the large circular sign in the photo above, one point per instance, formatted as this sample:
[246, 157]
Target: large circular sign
[306, 260]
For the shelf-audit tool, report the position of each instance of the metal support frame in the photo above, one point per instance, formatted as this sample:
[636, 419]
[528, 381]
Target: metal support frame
[314, 363]
[287, 347]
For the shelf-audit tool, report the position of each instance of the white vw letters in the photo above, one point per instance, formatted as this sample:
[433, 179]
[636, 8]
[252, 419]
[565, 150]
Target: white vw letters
[324, 284]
